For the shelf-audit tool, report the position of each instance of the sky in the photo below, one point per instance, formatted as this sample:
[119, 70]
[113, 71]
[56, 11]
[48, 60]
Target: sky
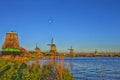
[85, 24]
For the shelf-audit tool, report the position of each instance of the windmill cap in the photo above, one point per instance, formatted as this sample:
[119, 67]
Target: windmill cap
[11, 32]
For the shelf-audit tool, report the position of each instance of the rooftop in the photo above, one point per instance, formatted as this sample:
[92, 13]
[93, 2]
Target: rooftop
[11, 32]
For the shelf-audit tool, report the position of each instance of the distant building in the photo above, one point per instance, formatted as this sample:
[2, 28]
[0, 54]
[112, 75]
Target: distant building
[71, 53]
[96, 52]
[38, 51]
[11, 43]
[53, 49]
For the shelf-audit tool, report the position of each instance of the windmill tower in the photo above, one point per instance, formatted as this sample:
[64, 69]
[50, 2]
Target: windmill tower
[38, 51]
[96, 52]
[53, 49]
[71, 53]
[11, 43]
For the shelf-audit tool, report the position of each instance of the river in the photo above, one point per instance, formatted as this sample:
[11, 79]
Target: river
[94, 68]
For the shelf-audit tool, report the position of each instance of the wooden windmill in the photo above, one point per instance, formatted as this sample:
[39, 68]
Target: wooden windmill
[11, 43]
[37, 49]
[53, 49]
[96, 52]
[71, 51]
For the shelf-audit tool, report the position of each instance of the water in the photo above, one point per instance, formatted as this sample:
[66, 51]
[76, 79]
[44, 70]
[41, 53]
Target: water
[92, 68]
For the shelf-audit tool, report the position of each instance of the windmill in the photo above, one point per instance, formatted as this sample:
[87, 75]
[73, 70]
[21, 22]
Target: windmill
[71, 51]
[38, 51]
[11, 43]
[53, 49]
[96, 52]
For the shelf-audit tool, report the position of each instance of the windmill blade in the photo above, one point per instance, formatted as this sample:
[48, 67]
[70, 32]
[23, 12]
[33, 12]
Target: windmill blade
[52, 41]
[68, 49]
[36, 45]
[48, 44]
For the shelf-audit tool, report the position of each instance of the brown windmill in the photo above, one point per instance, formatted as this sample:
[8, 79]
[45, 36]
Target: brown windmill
[38, 51]
[53, 49]
[71, 53]
[11, 43]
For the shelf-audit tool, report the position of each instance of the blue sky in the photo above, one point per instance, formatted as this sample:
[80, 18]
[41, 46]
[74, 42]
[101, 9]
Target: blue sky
[85, 24]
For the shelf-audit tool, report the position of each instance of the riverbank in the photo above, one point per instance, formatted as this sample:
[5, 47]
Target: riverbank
[22, 70]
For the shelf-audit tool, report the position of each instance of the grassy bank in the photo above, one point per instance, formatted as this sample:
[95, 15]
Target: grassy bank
[17, 70]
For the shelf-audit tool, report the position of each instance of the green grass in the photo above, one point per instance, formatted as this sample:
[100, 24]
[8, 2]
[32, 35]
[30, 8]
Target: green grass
[11, 50]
